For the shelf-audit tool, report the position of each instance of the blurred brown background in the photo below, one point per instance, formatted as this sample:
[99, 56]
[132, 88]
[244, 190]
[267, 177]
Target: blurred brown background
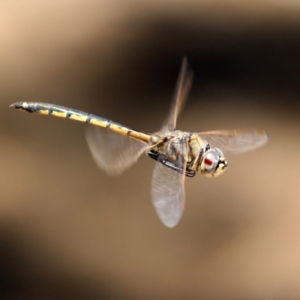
[67, 230]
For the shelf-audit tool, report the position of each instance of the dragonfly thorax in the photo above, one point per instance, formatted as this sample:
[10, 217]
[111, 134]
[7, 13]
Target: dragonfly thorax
[187, 153]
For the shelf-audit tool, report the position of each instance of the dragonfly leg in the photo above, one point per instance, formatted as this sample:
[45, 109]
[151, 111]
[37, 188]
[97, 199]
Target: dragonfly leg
[163, 159]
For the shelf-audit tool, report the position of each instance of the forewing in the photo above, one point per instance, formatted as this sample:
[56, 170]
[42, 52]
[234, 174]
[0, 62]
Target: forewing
[183, 86]
[235, 141]
[168, 193]
[112, 152]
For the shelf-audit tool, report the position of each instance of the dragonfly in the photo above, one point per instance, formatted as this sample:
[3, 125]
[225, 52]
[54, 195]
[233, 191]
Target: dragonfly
[178, 154]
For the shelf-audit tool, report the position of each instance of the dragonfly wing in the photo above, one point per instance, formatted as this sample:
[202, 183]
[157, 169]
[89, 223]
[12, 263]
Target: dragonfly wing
[183, 86]
[235, 141]
[168, 195]
[112, 152]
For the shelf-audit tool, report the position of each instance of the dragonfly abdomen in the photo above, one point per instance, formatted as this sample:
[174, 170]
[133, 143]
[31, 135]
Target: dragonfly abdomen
[77, 115]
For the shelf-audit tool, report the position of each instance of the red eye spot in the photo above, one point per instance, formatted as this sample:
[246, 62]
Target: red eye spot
[208, 162]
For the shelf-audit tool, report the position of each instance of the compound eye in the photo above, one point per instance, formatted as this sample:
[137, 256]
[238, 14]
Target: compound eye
[213, 163]
[209, 161]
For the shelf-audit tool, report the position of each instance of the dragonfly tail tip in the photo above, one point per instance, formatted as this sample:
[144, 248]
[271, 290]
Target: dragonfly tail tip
[16, 105]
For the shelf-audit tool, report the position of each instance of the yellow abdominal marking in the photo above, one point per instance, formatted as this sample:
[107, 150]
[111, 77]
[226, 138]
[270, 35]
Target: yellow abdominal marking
[44, 112]
[140, 136]
[119, 129]
[77, 117]
[98, 123]
[57, 114]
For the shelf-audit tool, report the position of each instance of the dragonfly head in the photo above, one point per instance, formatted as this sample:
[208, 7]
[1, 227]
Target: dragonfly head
[213, 163]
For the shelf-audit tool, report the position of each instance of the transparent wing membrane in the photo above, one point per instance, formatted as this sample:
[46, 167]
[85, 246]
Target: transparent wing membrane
[112, 152]
[168, 195]
[235, 141]
[183, 86]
